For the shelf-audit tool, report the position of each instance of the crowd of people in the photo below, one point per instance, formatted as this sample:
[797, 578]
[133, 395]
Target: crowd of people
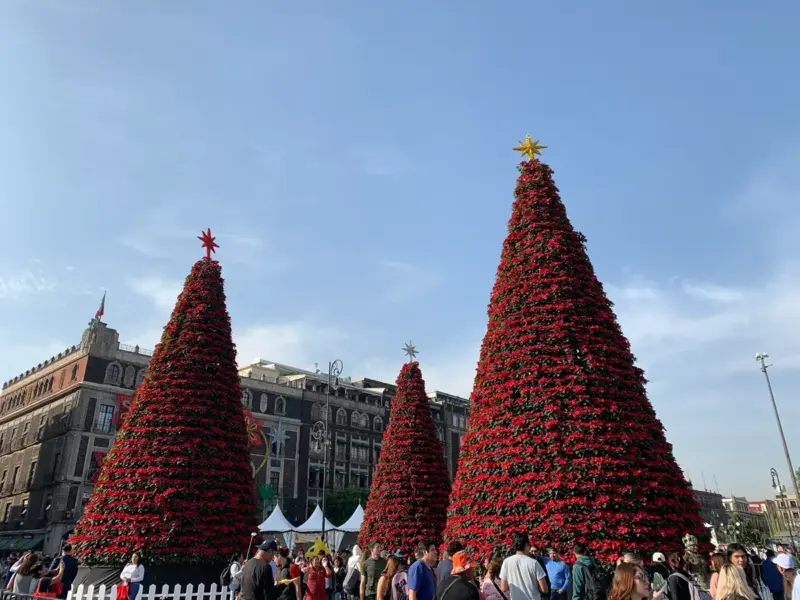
[529, 573]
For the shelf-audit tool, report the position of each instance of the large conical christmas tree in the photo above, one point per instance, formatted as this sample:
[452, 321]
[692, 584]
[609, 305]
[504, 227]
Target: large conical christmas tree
[177, 485]
[408, 499]
[562, 442]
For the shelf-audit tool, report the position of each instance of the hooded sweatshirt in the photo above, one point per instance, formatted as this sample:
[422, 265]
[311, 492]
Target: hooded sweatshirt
[578, 592]
[352, 562]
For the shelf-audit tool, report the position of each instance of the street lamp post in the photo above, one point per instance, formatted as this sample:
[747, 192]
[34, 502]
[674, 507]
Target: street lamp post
[761, 358]
[776, 483]
[321, 432]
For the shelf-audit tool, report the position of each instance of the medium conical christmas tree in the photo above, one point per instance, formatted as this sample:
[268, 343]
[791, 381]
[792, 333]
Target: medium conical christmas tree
[177, 485]
[408, 499]
[562, 442]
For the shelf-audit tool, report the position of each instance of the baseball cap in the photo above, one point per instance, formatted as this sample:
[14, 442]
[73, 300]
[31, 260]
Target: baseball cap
[270, 545]
[658, 557]
[461, 562]
[784, 561]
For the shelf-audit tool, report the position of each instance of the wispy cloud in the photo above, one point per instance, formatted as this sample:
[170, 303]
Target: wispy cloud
[23, 285]
[162, 293]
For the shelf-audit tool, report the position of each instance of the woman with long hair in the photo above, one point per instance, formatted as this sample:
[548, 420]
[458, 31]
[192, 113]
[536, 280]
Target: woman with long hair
[22, 579]
[235, 570]
[717, 560]
[385, 582]
[732, 584]
[490, 584]
[630, 583]
[133, 575]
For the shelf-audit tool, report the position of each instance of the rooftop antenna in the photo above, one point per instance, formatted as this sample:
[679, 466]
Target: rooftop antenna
[703, 477]
[716, 485]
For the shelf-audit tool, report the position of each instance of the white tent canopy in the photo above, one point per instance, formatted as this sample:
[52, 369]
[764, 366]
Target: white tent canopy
[314, 523]
[353, 524]
[277, 523]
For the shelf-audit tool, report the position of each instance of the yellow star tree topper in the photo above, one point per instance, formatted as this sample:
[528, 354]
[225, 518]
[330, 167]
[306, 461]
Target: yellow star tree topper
[529, 147]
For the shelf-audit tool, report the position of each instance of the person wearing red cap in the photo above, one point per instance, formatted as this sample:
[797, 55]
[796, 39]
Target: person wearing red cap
[461, 583]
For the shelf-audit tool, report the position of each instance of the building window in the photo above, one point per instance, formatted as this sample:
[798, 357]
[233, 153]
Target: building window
[354, 419]
[62, 378]
[74, 374]
[280, 405]
[48, 505]
[3, 478]
[24, 511]
[275, 481]
[40, 430]
[140, 377]
[25, 429]
[341, 416]
[83, 448]
[338, 478]
[246, 398]
[359, 452]
[113, 373]
[363, 421]
[31, 473]
[105, 418]
[54, 470]
[263, 403]
[7, 512]
[14, 477]
[378, 424]
[315, 476]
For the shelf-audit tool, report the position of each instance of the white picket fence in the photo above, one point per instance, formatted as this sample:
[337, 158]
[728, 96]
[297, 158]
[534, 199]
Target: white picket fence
[189, 592]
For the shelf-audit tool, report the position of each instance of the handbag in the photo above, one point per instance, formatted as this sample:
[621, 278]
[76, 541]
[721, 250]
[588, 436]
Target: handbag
[122, 591]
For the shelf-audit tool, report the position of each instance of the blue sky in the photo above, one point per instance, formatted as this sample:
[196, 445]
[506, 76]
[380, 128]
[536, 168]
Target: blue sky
[354, 160]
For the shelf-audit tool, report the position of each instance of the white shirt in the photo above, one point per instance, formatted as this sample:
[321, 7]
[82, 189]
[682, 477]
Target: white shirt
[133, 572]
[236, 573]
[522, 573]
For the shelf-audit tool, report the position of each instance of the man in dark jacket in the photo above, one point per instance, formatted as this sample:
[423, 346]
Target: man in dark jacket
[257, 582]
[70, 569]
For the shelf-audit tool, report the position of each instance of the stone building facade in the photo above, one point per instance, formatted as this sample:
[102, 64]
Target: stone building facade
[59, 419]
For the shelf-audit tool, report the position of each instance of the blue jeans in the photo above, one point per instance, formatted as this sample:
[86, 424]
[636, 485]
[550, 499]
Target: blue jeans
[233, 587]
[133, 590]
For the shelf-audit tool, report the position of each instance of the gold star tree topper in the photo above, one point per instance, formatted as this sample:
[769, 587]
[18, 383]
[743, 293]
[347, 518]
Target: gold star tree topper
[529, 147]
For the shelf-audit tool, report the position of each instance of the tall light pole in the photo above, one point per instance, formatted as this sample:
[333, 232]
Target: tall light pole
[761, 358]
[321, 432]
[776, 483]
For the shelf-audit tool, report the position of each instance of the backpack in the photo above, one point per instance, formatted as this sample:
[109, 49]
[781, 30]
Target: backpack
[225, 576]
[400, 586]
[696, 591]
[595, 586]
[352, 582]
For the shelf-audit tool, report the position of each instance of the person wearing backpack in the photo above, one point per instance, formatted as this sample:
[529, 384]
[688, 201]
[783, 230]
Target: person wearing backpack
[679, 583]
[587, 581]
[231, 576]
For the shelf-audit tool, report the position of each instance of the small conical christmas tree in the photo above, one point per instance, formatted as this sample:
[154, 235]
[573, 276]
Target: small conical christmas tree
[562, 442]
[408, 499]
[177, 485]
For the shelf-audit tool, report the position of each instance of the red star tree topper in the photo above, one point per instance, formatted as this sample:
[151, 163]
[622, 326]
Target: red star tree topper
[562, 442]
[179, 472]
[408, 499]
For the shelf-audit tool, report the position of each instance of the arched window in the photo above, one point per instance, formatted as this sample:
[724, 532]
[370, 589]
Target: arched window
[280, 405]
[140, 376]
[378, 424]
[341, 416]
[246, 398]
[263, 403]
[113, 373]
[354, 419]
[363, 421]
